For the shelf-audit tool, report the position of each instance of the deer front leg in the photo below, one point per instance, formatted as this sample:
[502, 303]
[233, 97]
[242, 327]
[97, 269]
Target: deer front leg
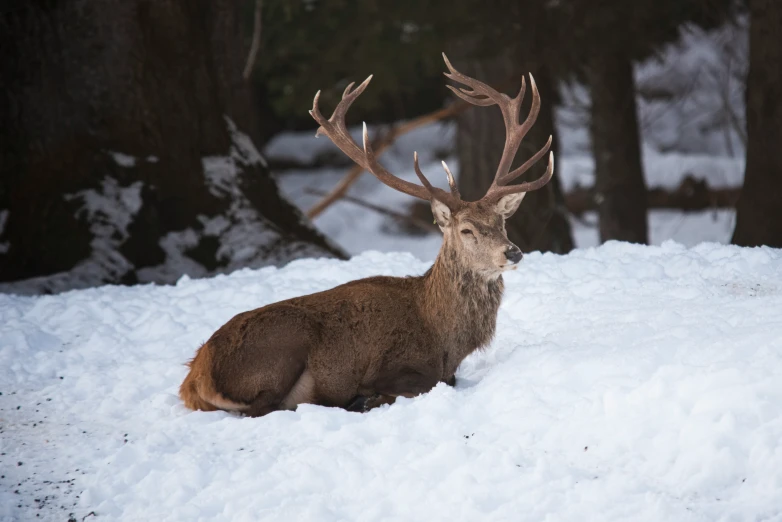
[363, 403]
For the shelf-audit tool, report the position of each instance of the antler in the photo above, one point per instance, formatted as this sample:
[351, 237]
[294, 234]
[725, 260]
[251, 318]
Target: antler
[337, 131]
[478, 93]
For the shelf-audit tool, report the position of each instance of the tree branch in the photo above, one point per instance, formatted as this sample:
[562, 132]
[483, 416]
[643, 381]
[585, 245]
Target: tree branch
[423, 225]
[691, 195]
[256, 42]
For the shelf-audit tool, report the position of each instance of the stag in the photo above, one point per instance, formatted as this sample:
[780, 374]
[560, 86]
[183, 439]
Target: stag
[365, 343]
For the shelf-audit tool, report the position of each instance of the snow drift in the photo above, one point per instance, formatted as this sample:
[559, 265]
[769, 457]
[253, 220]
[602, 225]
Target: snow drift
[625, 383]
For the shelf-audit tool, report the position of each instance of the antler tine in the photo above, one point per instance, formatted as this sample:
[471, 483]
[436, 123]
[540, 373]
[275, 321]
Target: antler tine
[504, 180]
[523, 89]
[451, 181]
[336, 129]
[453, 200]
[420, 174]
[482, 102]
[477, 87]
[350, 86]
[532, 117]
[497, 192]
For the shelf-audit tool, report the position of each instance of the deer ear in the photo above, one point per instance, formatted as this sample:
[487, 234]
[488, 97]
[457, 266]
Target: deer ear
[508, 205]
[441, 212]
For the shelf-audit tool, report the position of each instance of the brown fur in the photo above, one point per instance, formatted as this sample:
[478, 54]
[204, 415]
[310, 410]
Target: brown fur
[376, 338]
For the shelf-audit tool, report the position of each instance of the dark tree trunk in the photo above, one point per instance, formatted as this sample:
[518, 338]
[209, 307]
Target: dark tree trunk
[759, 211]
[619, 178]
[541, 223]
[127, 147]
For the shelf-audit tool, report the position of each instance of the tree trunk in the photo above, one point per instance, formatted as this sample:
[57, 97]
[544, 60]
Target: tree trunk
[128, 150]
[619, 178]
[759, 211]
[541, 223]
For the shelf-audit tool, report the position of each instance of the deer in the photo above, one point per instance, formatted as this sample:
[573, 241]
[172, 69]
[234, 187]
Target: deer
[365, 343]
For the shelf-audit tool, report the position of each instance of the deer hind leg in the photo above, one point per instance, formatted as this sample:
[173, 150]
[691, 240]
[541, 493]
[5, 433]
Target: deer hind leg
[263, 404]
[290, 388]
[266, 365]
[268, 401]
[303, 391]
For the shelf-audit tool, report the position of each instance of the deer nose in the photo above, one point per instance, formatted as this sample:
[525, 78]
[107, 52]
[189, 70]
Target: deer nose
[513, 254]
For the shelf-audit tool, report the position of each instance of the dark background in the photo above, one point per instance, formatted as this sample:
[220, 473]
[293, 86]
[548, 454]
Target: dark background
[129, 129]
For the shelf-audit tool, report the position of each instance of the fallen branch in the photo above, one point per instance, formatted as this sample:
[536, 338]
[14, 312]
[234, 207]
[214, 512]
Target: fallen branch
[382, 144]
[423, 225]
[691, 195]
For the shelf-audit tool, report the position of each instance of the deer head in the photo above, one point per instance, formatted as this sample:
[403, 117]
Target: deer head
[473, 231]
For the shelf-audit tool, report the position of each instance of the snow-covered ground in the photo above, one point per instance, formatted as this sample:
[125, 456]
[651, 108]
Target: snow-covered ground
[625, 383]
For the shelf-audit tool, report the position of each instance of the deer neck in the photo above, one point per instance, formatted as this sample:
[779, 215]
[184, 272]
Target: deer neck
[461, 304]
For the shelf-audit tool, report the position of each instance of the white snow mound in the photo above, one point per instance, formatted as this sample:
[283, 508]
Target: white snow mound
[625, 383]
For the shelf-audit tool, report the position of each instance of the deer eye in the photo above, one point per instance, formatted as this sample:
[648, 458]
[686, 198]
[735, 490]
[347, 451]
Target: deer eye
[467, 231]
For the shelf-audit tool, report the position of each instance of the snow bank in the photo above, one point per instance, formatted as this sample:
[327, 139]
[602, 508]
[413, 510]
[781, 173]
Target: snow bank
[625, 383]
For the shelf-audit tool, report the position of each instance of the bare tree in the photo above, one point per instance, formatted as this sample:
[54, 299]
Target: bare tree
[759, 212]
[619, 178]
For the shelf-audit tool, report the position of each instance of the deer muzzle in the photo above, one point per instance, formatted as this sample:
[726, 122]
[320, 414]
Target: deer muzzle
[513, 254]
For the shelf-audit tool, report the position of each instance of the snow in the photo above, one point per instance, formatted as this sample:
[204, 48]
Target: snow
[243, 147]
[699, 82]
[109, 210]
[624, 383]
[123, 160]
[127, 161]
[661, 169]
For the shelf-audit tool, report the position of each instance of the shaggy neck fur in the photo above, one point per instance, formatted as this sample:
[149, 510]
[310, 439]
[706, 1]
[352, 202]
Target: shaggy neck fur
[461, 303]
